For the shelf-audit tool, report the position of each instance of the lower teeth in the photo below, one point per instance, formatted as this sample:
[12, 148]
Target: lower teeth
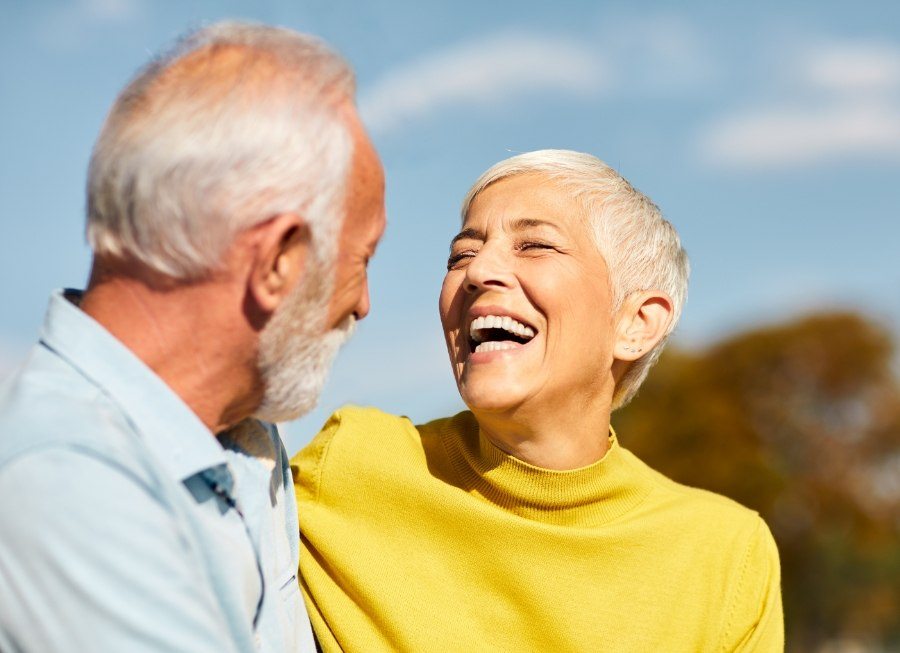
[494, 346]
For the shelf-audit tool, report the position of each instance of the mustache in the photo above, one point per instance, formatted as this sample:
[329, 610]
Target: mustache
[347, 327]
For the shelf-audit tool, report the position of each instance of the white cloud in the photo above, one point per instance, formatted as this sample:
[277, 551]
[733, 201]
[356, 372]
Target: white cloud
[844, 103]
[853, 66]
[794, 136]
[654, 53]
[633, 56]
[68, 26]
[111, 10]
[483, 72]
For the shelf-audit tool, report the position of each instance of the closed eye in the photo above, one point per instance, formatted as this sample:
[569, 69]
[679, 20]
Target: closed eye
[459, 257]
[533, 245]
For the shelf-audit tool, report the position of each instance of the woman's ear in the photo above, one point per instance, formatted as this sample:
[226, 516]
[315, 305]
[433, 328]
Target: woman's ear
[643, 322]
[281, 249]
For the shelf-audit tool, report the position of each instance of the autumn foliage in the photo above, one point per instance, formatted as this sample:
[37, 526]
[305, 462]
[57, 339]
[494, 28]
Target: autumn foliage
[801, 422]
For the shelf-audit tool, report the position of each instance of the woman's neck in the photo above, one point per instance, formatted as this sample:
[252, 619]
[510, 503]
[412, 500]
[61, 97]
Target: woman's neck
[549, 439]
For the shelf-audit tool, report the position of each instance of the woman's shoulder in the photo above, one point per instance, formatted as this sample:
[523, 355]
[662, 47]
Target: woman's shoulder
[357, 429]
[696, 505]
[738, 553]
[351, 422]
[364, 440]
[353, 417]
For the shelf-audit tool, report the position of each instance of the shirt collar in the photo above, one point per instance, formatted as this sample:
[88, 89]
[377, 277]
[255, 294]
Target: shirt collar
[170, 429]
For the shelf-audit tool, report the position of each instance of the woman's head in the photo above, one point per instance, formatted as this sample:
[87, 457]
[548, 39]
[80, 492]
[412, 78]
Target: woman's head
[561, 244]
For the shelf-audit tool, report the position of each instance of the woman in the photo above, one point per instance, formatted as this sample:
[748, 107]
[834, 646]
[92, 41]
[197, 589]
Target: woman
[522, 524]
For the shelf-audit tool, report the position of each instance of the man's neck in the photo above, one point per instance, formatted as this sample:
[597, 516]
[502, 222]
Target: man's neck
[187, 333]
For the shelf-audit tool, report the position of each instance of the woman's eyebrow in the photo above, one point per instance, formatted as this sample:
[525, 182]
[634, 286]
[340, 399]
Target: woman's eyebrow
[521, 224]
[470, 234]
[528, 223]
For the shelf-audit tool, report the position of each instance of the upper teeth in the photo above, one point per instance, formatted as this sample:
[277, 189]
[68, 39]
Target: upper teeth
[498, 322]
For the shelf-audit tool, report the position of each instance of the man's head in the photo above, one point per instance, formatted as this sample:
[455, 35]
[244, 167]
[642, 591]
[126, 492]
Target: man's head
[239, 154]
[303, 337]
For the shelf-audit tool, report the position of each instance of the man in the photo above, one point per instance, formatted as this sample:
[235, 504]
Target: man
[233, 203]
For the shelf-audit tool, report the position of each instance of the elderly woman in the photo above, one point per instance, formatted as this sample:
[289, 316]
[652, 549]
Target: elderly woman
[522, 524]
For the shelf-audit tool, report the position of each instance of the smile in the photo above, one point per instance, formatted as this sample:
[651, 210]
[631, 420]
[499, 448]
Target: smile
[489, 333]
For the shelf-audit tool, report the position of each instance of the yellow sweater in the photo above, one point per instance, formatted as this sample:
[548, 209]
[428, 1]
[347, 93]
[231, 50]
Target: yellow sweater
[430, 538]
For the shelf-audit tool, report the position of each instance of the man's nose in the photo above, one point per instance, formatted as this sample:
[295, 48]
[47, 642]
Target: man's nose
[364, 304]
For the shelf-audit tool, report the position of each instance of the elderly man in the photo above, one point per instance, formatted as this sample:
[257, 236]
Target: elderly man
[233, 203]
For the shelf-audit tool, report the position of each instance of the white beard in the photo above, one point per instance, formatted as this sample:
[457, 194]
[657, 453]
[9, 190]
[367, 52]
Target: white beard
[295, 356]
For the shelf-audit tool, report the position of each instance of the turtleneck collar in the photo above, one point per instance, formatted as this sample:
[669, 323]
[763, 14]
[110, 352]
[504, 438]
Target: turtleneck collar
[596, 494]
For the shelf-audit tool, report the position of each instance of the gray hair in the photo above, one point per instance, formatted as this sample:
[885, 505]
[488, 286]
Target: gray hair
[642, 250]
[236, 124]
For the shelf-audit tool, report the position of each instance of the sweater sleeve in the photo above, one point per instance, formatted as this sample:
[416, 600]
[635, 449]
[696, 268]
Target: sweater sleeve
[307, 465]
[756, 623]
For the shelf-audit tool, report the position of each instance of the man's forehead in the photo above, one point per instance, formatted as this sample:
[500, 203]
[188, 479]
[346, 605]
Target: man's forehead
[365, 221]
[366, 163]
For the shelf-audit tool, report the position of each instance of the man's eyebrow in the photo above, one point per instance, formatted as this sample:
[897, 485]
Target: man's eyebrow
[468, 234]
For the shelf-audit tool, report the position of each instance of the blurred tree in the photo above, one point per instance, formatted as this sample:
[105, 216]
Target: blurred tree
[801, 422]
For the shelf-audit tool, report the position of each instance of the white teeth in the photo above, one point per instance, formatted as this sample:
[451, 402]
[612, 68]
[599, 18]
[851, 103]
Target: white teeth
[498, 322]
[495, 346]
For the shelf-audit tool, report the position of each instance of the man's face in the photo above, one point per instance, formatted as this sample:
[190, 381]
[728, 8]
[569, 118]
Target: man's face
[300, 342]
[363, 226]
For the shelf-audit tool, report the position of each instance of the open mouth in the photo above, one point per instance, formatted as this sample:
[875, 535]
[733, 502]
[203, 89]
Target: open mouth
[497, 333]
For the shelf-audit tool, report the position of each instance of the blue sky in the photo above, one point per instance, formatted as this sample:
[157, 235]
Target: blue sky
[769, 134]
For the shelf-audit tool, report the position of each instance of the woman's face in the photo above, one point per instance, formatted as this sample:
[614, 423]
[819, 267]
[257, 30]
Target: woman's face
[526, 304]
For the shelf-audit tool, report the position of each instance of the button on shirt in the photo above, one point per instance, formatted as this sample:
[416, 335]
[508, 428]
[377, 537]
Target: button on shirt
[124, 523]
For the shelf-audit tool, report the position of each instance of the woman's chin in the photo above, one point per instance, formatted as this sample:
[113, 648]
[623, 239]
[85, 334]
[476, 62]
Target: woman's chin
[481, 397]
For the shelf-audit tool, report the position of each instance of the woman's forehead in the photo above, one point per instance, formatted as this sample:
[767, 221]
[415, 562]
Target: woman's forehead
[525, 202]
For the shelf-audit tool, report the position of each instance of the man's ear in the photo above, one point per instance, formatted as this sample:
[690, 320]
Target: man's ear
[643, 321]
[281, 248]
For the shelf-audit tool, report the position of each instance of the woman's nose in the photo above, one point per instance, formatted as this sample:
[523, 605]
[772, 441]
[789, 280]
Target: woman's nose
[489, 268]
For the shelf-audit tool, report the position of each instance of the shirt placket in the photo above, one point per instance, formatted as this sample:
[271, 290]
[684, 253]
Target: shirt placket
[221, 482]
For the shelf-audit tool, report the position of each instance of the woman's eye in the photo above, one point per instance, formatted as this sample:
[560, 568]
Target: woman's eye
[456, 259]
[532, 245]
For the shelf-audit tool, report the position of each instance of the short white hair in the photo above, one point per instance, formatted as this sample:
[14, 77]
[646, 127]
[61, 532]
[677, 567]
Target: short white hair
[642, 250]
[239, 122]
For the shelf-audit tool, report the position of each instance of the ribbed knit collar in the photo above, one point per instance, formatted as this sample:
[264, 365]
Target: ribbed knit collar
[592, 495]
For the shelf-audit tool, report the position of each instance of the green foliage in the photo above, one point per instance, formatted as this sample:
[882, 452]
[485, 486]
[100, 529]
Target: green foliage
[801, 422]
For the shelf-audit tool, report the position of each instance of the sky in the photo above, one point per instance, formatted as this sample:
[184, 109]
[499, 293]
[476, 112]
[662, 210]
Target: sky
[768, 133]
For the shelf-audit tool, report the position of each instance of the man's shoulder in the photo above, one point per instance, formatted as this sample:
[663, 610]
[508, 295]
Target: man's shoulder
[46, 405]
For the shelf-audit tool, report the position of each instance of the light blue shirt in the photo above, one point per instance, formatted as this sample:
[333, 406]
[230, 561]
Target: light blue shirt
[125, 526]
